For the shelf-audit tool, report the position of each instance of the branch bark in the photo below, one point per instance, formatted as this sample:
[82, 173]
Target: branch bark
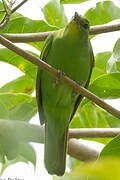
[53, 72]
[37, 37]
[18, 6]
[81, 151]
[93, 132]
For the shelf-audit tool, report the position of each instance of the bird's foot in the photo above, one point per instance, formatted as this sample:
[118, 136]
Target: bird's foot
[60, 74]
[81, 83]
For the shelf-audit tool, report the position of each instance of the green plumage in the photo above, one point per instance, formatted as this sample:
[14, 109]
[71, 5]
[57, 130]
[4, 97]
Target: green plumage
[69, 51]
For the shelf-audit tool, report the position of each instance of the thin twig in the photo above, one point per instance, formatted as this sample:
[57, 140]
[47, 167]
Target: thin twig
[36, 37]
[53, 72]
[9, 12]
[7, 15]
[18, 6]
[93, 132]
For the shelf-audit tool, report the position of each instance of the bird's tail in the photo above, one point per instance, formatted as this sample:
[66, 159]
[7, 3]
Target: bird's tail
[55, 152]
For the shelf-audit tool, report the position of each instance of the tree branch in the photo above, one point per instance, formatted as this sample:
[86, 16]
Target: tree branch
[24, 132]
[26, 37]
[105, 28]
[18, 6]
[36, 37]
[81, 151]
[53, 72]
[93, 132]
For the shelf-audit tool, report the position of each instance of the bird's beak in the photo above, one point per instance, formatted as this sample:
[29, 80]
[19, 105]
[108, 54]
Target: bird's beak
[76, 18]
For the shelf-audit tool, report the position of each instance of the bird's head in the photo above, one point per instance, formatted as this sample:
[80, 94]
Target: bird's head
[78, 24]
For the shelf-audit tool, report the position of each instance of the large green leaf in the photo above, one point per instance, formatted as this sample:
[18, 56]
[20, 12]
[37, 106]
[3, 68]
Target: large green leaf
[114, 61]
[2, 13]
[23, 84]
[69, 176]
[17, 106]
[25, 154]
[101, 60]
[105, 169]
[20, 24]
[112, 149]
[12, 58]
[54, 14]
[27, 151]
[92, 116]
[72, 1]
[8, 163]
[106, 86]
[103, 13]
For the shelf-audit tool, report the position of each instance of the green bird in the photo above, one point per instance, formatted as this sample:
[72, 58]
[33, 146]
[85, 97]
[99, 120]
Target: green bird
[68, 50]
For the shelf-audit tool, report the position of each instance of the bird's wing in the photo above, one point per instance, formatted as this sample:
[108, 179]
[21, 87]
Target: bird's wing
[43, 56]
[79, 99]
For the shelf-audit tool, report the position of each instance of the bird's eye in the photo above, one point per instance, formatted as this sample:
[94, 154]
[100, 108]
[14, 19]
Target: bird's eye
[85, 26]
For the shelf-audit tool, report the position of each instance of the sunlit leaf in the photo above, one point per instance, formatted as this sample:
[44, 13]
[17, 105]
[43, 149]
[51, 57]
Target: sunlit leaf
[72, 1]
[23, 84]
[12, 58]
[114, 61]
[101, 60]
[108, 168]
[103, 13]
[112, 149]
[54, 13]
[17, 106]
[106, 86]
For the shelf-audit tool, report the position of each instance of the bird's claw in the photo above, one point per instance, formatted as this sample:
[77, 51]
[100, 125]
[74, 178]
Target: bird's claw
[81, 83]
[60, 74]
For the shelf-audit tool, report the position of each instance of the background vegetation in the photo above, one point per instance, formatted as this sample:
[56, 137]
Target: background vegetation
[18, 105]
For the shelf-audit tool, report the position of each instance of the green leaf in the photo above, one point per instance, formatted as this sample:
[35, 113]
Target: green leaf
[10, 148]
[92, 116]
[113, 64]
[112, 149]
[106, 86]
[103, 13]
[54, 14]
[28, 153]
[8, 163]
[17, 106]
[101, 60]
[105, 169]
[2, 13]
[68, 176]
[77, 122]
[20, 24]
[72, 1]
[16, 60]
[23, 84]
